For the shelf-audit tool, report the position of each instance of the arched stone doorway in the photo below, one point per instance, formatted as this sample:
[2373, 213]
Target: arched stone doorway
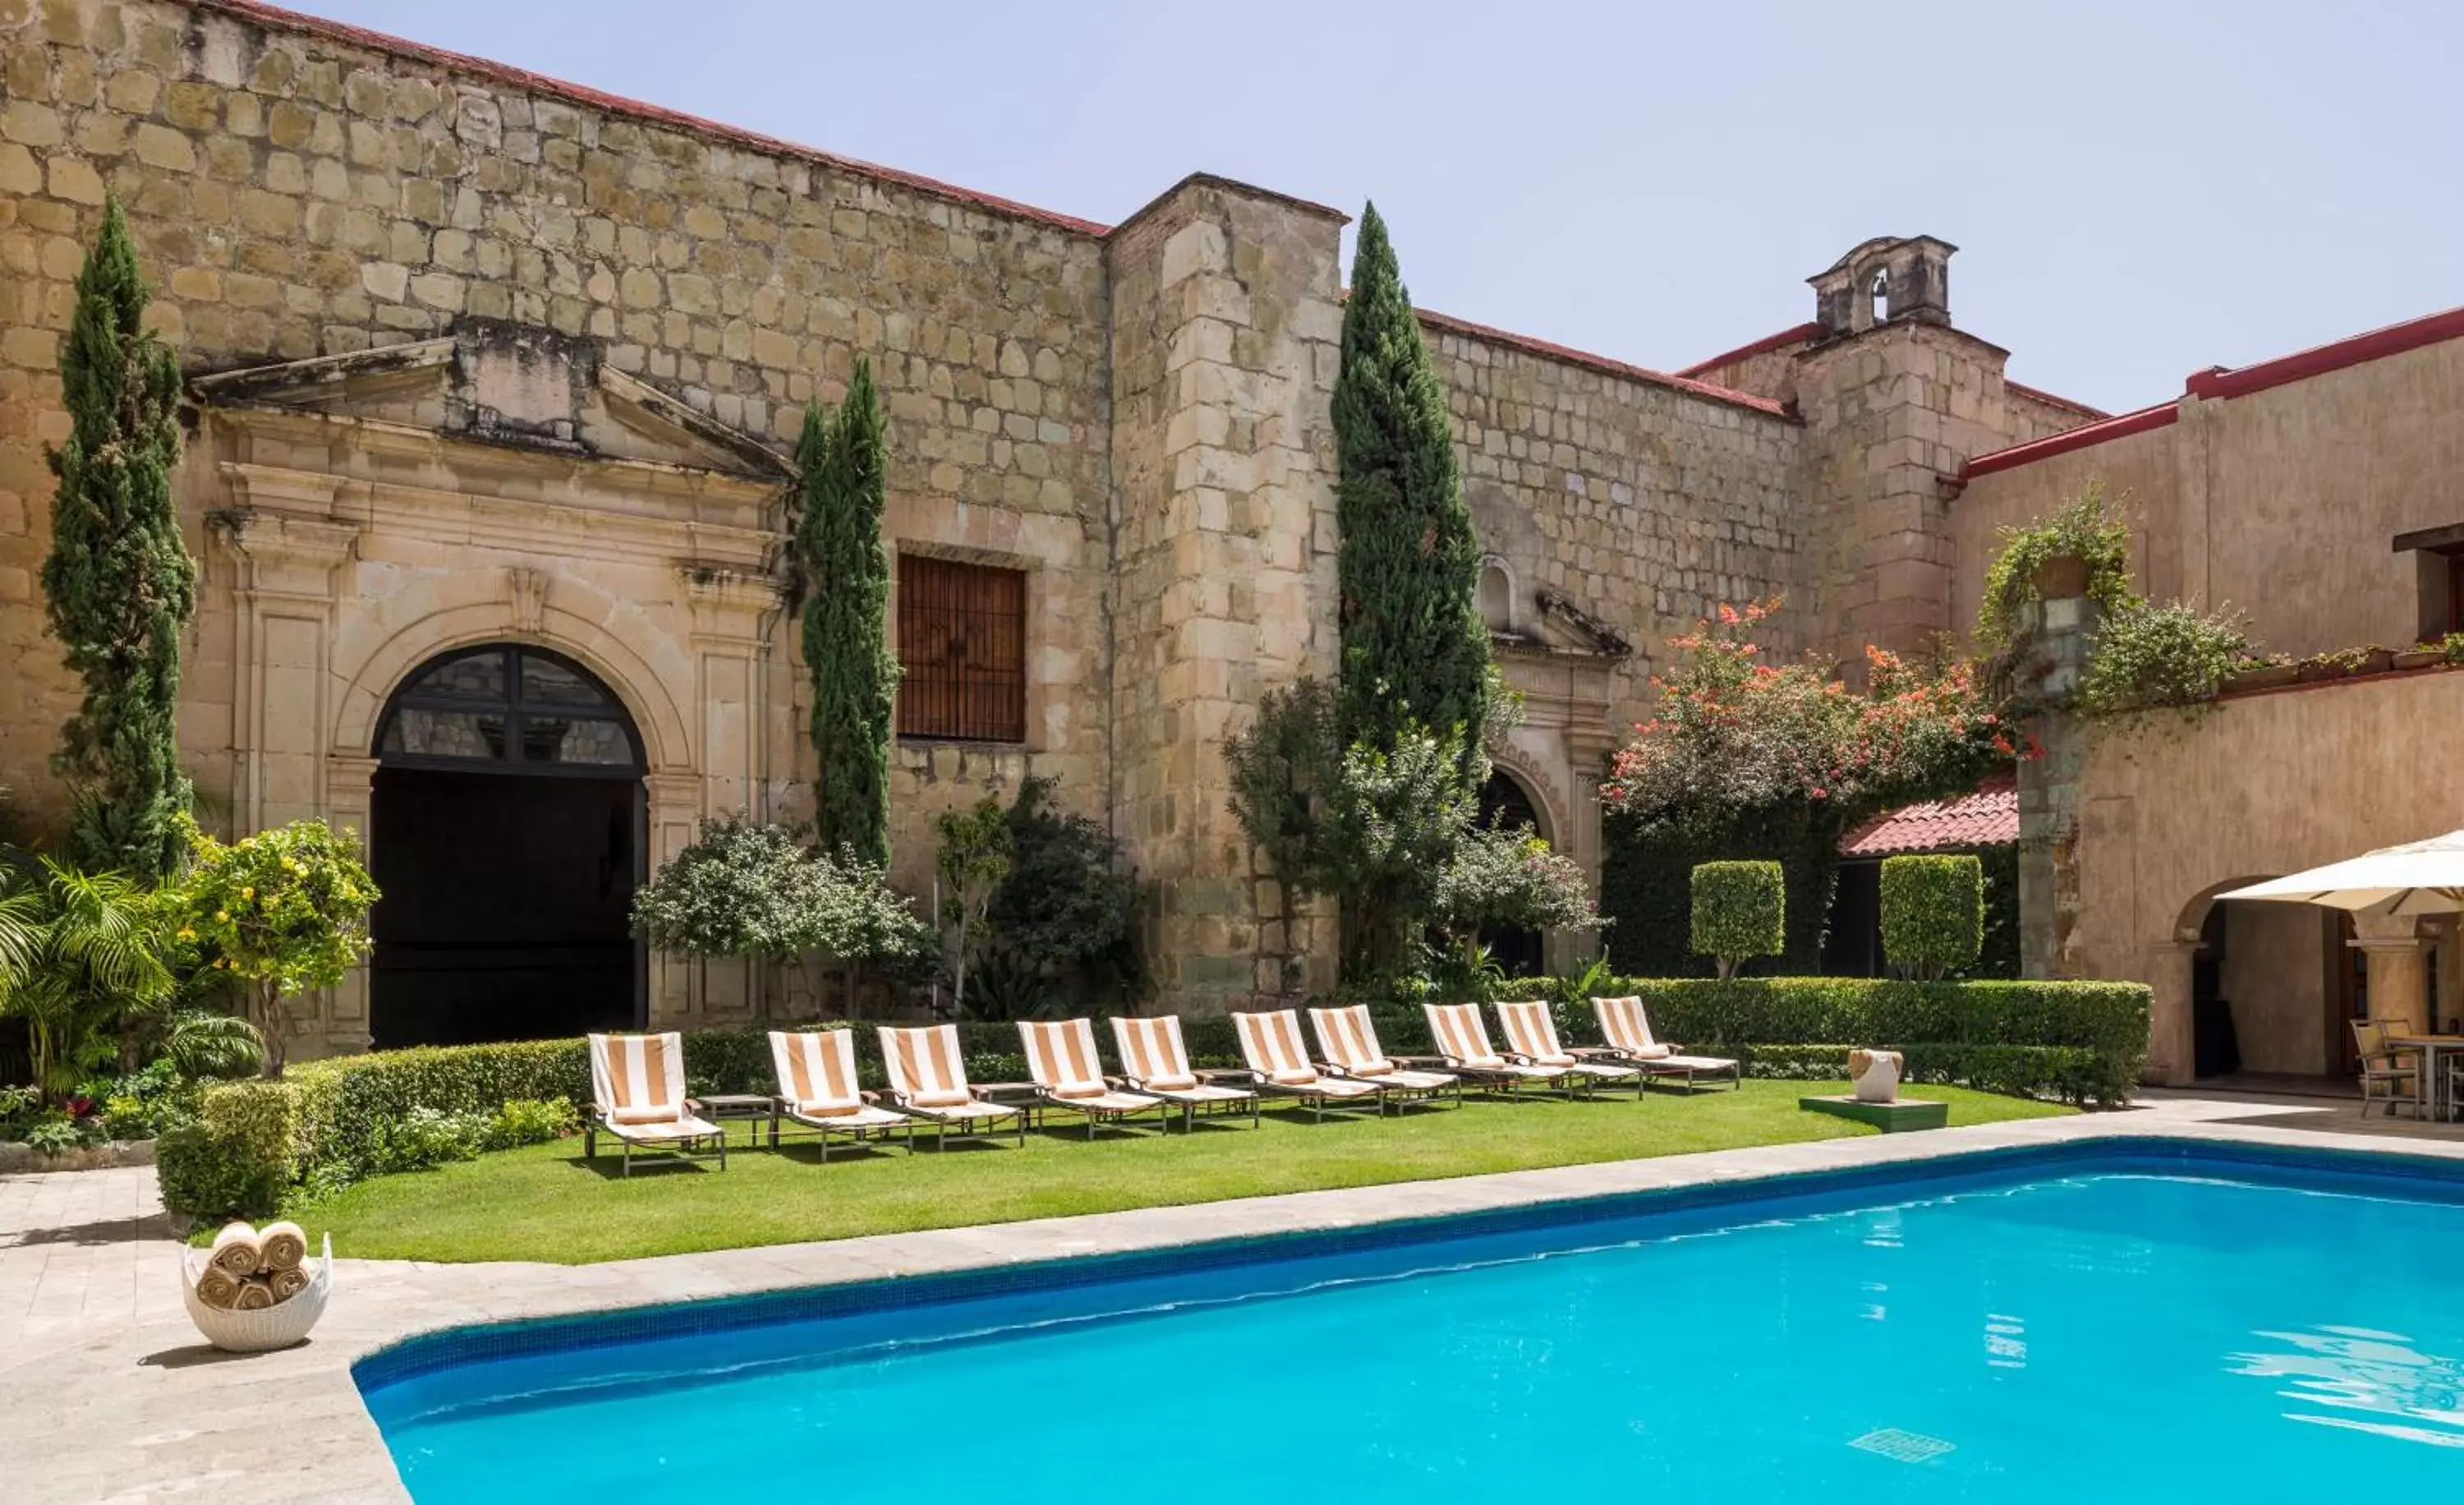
[507, 832]
[1505, 803]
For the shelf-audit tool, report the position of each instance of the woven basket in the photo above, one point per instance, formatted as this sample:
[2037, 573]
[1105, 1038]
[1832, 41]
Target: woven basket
[277, 1326]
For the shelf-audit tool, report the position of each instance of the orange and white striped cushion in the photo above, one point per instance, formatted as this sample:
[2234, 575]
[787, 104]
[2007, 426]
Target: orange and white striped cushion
[925, 1067]
[1461, 1033]
[1151, 1051]
[1271, 1045]
[1626, 1027]
[1061, 1056]
[1530, 1032]
[638, 1078]
[1350, 1040]
[817, 1072]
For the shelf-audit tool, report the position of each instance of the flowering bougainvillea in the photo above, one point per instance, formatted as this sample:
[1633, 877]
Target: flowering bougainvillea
[285, 910]
[1736, 733]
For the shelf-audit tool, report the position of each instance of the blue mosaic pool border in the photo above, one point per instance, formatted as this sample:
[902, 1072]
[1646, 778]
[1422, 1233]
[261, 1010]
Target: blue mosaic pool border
[1795, 1192]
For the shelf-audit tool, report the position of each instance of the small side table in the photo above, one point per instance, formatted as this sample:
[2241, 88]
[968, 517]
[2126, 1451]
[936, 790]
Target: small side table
[719, 1107]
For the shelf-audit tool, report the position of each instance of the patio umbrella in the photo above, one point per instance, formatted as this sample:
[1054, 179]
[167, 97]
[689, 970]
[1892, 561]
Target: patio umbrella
[2420, 878]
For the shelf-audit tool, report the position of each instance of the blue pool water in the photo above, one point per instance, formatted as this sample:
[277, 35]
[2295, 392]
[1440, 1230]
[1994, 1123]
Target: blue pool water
[2054, 1329]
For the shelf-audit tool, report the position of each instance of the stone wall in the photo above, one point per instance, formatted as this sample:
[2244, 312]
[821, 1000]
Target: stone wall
[295, 192]
[1646, 501]
[1226, 323]
[1891, 415]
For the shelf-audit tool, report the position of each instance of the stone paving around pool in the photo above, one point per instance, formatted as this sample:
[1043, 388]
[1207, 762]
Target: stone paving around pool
[107, 1394]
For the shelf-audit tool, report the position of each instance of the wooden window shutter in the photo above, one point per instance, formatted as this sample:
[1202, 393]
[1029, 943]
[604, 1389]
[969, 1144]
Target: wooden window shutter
[961, 650]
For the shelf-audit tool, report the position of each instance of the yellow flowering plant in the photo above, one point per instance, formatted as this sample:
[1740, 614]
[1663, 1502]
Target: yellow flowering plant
[285, 910]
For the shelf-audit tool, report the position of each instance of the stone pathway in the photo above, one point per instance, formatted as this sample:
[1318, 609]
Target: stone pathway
[81, 1253]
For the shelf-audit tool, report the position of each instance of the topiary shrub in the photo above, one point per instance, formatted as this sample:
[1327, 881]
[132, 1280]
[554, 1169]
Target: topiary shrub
[1933, 914]
[2083, 1041]
[1740, 911]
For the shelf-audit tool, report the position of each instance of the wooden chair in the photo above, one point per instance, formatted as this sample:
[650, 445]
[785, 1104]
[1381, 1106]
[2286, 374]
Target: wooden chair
[2389, 1076]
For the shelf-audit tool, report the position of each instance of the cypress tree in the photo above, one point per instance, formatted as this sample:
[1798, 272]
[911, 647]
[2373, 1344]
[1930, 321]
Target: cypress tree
[1415, 649]
[119, 583]
[846, 603]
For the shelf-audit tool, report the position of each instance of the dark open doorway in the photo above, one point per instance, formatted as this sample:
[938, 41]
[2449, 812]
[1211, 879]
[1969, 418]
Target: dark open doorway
[1504, 805]
[506, 833]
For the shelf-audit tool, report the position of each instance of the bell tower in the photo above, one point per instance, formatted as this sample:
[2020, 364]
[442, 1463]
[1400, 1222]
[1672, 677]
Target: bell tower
[1882, 281]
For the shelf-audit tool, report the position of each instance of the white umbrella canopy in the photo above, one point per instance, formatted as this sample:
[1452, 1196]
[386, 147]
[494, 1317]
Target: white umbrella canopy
[2419, 878]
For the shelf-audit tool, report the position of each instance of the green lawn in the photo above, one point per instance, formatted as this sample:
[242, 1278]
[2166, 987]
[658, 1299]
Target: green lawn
[548, 1203]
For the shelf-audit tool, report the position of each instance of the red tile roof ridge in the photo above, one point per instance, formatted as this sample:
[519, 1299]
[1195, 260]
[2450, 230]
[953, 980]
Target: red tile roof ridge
[2155, 415]
[264, 15]
[1779, 341]
[1448, 323]
[1985, 816]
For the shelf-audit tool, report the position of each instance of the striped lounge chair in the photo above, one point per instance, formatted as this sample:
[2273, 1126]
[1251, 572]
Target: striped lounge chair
[1348, 1041]
[1532, 1033]
[817, 1089]
[1279, 1063]
[928, 1078]
[637, 1094]
[1627, 1029]
[1462, 1044]
[1068, 1074]
[1154, 1061]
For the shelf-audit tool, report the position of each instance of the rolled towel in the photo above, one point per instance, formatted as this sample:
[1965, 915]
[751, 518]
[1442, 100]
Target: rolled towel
[218, 1289]
[236, 1251]
[283, 1246]
[288, 1283]
[256, 1295]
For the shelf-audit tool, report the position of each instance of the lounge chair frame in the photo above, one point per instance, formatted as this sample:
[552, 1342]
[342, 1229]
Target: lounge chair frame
[683, 1145]
[1098, 1112]
[1399, 1093]
[1517, 1077]
[1588, 1071]
[1674, 1064]
[942, 1118]
[1211, 1095]
[1312, 1095]
[870, 1120]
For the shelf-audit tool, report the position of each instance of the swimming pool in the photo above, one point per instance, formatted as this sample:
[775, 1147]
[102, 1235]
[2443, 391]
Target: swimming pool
[2139, 1320]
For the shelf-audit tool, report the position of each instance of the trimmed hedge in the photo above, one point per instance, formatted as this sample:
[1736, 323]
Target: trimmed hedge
[1933, 913]
[323, 1124]
[2080, 1040]
[1740, 911]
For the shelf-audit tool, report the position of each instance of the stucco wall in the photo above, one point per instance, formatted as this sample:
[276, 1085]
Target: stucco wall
[2276, 976]
[2284, 780]
[2279, 504]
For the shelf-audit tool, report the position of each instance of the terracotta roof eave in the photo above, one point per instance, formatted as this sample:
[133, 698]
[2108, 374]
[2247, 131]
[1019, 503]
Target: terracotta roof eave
[1781, 341]
[263, 14]
[1988, 816]
[1448, 323]
[2039, 394]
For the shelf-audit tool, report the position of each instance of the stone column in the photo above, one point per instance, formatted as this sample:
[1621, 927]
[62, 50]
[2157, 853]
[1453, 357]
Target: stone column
[2054, 638]
[288, 551]
[342, 1016]
[1226, 317]
[2172, 1047]
[675, 810]
[2395, 957]
[731, 640]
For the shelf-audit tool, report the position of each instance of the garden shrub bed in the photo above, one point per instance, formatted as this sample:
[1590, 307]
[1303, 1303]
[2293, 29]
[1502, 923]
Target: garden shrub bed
[2081, 1040]
[324, 1125]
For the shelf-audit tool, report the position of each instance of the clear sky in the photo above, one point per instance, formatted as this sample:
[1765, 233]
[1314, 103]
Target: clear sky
[2139, 191]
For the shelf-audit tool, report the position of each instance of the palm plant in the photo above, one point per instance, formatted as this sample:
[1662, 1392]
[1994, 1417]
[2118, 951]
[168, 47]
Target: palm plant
[81, 954]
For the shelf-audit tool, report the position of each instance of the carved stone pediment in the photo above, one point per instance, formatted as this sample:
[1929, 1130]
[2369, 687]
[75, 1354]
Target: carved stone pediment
[509, 385]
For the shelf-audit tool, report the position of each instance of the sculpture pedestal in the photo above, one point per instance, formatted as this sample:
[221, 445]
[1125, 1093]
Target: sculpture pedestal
[1891, 1118]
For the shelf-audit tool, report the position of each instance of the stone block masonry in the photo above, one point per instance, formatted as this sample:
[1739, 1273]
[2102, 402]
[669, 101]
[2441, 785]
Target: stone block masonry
[479, 356]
